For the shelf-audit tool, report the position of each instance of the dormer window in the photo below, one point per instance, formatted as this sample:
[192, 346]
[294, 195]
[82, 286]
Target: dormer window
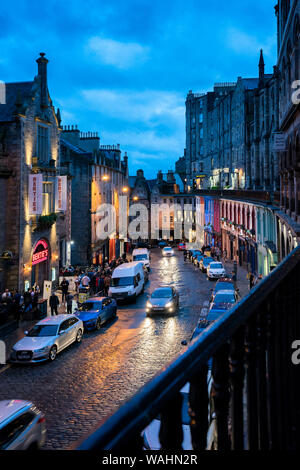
[42, 143]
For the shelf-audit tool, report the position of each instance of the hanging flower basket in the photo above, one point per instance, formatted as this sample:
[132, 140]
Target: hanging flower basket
[45, 222]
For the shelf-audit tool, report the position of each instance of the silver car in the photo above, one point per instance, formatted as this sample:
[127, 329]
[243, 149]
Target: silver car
[22, 426]
[163, 300]
[47, 338]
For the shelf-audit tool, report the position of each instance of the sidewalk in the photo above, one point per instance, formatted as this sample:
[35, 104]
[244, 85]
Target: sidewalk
[242, 281]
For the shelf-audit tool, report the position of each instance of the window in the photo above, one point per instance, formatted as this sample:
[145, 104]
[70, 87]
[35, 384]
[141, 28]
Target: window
[43, 143]
[64, 326]
[12, 430]
[48, 198]
[200, 118]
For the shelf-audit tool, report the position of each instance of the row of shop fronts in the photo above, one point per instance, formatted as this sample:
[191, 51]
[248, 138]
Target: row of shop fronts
[249, 233]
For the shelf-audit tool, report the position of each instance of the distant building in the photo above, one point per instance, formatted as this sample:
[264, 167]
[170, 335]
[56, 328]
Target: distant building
[288, 24]
[229, 134]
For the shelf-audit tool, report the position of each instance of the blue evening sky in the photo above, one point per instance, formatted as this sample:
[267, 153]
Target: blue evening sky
[123, 68]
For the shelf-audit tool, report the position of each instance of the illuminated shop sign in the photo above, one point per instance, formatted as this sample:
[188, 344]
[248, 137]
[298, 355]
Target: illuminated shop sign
[41, 252]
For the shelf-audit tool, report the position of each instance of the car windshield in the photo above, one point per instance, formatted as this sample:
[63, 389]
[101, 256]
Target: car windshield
[88, 306]
[43, 330]
[217, 266]
[122, 281]
[161, 294]
[139, 257]
[168, 249]
[224, 298]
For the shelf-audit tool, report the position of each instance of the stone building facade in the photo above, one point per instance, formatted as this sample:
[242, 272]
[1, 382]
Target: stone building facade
[229, 134]
[288, 65]
[99, 176]
[31, 246]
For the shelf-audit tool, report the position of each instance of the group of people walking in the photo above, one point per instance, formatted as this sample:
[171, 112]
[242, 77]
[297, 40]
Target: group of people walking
[95, 279]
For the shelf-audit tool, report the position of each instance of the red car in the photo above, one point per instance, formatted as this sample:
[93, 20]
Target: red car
[181, 246]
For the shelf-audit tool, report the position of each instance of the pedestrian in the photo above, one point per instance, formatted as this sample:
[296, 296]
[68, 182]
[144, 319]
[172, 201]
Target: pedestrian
[106, 283]
[27, 301]
[85, 281]
[54, 303]
[234, 278]
[225, 255]
[69, 300]
[251, 280]
[6, 296]
[218, 253]
[64, 287]
[16, 305]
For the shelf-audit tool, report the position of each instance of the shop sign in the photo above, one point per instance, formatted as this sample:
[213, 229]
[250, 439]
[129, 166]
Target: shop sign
[41, 252]
[61, 193]
[35, 194]
[279, 142]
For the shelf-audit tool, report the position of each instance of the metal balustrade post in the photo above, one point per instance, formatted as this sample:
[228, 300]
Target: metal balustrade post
[271, 374]
[237, 373]
[220, 393]
[263, 434]
[170, 432]
[250, 348]
[198, 409]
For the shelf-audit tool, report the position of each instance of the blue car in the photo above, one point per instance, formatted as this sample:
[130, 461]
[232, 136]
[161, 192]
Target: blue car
[96, 311]
[224, 300]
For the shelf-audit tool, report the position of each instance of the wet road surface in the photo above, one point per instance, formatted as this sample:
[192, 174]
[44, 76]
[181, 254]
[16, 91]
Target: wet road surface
[90, 381]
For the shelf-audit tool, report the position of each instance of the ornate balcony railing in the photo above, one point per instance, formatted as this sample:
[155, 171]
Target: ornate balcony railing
[255, 383]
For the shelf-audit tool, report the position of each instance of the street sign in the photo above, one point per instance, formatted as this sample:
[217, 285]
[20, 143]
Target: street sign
[279, 142]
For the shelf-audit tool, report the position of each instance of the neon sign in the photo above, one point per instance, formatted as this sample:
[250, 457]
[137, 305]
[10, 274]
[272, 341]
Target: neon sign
[41, 252]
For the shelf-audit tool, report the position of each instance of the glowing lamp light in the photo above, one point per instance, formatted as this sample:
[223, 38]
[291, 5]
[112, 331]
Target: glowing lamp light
[125, 189]
[135, 198]
[105, 178]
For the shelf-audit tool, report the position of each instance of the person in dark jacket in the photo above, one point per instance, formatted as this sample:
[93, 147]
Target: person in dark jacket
[54, 303]
[69, 300]
[64, 287]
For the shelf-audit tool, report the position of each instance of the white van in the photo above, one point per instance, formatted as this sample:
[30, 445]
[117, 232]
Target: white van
[127, 281]
[143, 255]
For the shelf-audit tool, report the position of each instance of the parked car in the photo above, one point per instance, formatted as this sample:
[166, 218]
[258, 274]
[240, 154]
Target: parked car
[204, 263]
[195, 253]
[224, 283]
[96, 311]
[22, 426]
[168, 251]
[215, 270]
[162, 244]
[181, 246]
[127, 281]
[47, 338]
[223, 300]
[163, 300]
[143, 255]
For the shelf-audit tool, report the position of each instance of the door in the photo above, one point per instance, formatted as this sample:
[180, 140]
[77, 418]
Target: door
[63, 334]
[106, 309]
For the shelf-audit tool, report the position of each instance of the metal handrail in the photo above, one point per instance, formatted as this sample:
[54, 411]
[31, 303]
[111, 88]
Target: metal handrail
[140, 410]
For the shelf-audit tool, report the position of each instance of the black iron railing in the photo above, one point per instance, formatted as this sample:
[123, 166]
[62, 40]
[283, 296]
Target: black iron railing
[255, 389]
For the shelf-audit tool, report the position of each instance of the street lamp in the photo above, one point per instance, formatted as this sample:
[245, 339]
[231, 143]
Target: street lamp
[125, 189]
[105, 178]
[135, 198]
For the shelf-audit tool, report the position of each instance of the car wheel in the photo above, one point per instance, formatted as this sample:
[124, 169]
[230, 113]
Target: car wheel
[52, 353]
[79, 336]
[98, 324]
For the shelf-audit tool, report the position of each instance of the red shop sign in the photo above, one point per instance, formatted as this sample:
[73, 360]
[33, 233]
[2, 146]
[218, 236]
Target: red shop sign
[41, 252]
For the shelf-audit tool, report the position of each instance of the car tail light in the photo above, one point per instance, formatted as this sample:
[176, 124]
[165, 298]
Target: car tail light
[41, 420]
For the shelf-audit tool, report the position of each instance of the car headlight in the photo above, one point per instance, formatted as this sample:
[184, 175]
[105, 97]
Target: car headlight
[149, 304]
[169, 304]
[41, 350]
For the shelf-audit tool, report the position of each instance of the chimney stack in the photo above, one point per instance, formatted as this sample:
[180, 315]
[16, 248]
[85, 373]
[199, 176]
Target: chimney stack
[42, 74]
